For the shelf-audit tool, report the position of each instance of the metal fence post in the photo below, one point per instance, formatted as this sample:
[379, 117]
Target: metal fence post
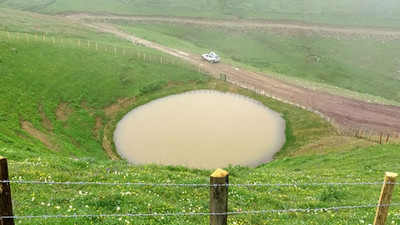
[5, 194]
[219, 181]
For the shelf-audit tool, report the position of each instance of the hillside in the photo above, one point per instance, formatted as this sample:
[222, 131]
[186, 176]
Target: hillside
[65, 86]
[356, 12]
[357, 165]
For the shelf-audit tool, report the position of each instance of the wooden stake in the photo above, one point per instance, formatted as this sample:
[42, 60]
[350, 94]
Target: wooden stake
[27, 38]
[385, 198]
[369, 137]
[394, 136]
[387, 138]
[5, 194]
[398, 140]
[144, 55]
[380, 139]
[219, 197]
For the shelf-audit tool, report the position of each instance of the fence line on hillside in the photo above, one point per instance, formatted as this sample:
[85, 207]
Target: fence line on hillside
[219, 183]
[370, 135]
[97, 47]
[378, 137]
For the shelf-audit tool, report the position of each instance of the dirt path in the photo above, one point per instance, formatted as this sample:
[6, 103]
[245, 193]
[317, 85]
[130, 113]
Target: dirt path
[344, 111]
[247, 24]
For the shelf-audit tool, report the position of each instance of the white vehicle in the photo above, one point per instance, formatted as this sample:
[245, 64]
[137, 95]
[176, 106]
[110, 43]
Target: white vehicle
[211, 57]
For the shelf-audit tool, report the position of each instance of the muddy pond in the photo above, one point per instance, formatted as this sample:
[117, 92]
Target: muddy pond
[200, 129]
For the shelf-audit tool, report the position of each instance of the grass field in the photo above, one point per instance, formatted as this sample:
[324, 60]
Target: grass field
[357, 165]
[356, 12]
[360, 64]
[61, 93]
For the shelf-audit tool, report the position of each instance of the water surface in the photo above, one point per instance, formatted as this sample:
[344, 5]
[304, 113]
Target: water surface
[200, 129]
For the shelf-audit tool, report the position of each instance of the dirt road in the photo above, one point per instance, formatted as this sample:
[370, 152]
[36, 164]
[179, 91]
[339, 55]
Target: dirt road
[346, 112]
[247, 24]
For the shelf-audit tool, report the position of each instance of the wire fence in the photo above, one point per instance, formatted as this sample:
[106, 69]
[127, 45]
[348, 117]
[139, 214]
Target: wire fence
[307, 210]
[218, 194]
[181, 61]
[138, 53]
[196, 185]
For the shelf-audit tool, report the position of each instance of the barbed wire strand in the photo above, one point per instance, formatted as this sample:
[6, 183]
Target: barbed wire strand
[193, 185]
[335, 208]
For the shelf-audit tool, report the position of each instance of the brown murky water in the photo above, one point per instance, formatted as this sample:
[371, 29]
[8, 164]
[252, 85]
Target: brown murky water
[200, 129]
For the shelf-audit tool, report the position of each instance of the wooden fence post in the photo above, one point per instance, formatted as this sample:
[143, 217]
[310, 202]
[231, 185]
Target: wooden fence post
[380, 138]
[369, 136]
[387, 138]
[384, 199]
[219, 181]
[5, 194]
[398, 139]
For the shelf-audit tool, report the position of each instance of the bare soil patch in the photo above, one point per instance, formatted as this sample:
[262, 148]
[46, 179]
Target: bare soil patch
[46, 122]
[97, 127]
[63, 111]
[110, 112]
[117, 106]
[42, 137]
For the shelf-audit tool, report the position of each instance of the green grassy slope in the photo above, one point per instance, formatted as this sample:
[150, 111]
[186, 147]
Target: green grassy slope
[356, 12]
[358, 165]
[38, 78]
[361, 64]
